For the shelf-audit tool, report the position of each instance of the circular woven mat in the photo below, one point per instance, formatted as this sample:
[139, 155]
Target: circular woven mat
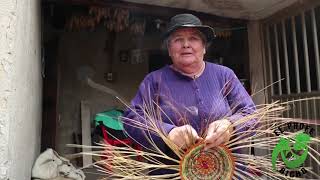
[215, 163]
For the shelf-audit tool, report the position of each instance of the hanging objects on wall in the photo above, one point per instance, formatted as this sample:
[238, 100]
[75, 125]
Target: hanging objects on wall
[221, 31]
[114, 19]
[78, 22]
[224, 34]
[138, 27]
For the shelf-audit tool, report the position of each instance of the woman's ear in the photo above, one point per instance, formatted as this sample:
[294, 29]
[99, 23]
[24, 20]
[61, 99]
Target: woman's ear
[204, 50]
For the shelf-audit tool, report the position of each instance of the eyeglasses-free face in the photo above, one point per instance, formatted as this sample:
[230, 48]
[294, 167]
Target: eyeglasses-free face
[186, 47]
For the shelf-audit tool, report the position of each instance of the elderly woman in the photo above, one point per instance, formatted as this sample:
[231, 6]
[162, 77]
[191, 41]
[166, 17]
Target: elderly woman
[209, 96]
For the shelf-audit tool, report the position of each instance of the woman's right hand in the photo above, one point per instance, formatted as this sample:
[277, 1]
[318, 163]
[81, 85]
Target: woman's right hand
[183, 136]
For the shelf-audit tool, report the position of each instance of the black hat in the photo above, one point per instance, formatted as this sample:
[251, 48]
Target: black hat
[189, 20]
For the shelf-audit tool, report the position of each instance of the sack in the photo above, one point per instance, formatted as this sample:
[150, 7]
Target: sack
[49, 165]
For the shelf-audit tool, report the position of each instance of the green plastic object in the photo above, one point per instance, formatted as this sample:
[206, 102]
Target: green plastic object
[110, 119]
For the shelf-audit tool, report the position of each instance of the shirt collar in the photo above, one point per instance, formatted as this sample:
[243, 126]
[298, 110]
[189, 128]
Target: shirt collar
[192, 76]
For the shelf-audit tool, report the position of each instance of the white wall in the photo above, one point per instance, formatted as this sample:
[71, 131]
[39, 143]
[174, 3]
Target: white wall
[20, 87]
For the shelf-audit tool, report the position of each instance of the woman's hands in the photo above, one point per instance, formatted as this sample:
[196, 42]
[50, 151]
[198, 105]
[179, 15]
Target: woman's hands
[219, 132]
[183, 136]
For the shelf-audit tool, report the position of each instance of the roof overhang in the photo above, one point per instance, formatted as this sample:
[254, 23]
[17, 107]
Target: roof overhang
[238, 9]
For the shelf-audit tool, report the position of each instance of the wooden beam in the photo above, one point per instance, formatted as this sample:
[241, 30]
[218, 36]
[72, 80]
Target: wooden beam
[143, 9]
[256, 62]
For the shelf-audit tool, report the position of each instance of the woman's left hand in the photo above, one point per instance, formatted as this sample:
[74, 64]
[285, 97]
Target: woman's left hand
[219, 132]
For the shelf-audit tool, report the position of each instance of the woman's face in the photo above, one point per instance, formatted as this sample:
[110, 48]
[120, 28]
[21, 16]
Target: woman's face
[186, 49]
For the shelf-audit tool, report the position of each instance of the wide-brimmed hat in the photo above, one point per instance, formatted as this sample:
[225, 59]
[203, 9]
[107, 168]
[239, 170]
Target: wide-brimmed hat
[189, 20]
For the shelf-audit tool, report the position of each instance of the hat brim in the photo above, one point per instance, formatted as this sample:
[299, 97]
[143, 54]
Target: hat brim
[206, 30]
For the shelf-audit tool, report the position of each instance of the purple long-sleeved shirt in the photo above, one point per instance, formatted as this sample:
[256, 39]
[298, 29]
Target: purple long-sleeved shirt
[216, 94]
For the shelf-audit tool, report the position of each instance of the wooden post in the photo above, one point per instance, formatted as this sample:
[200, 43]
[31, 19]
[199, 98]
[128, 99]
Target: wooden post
[256, 62]
[86, 132]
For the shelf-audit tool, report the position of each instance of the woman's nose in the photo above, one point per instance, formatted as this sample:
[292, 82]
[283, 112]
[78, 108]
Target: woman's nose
[186, 43]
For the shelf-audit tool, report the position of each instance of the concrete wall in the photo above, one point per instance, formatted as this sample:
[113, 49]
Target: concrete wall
[20, 87]
[82, 54]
